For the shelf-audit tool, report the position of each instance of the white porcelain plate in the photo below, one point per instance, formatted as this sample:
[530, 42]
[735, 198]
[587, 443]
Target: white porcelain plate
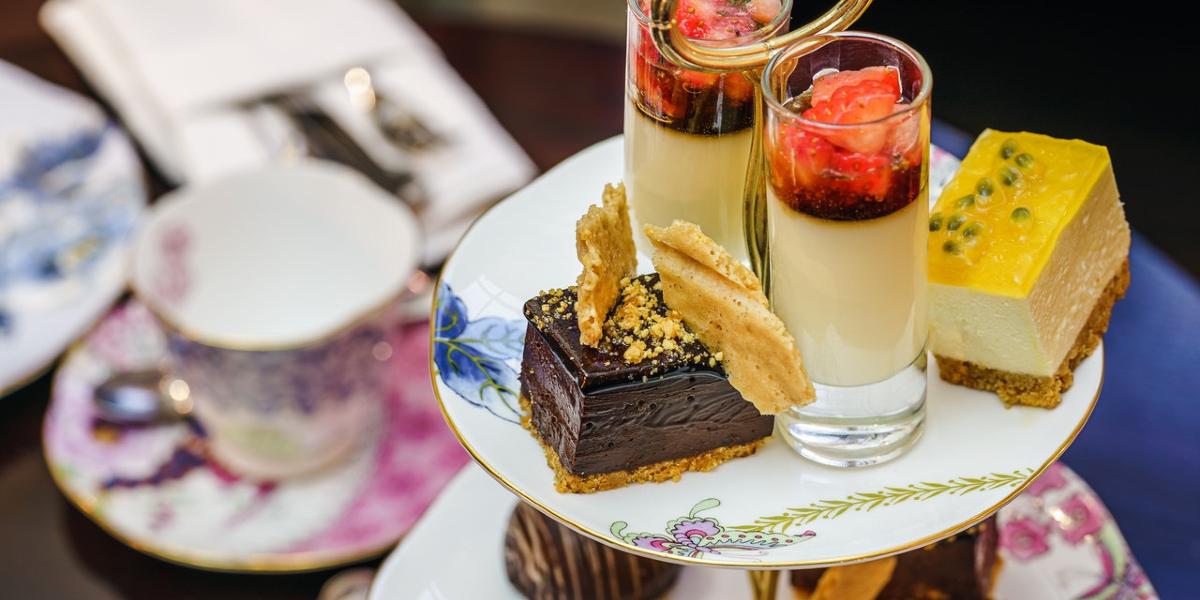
[70, 196]
[771, 510]
[1044, 556]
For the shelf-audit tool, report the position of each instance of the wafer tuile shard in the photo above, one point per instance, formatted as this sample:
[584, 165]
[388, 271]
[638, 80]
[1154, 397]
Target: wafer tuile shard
[862, 581]
[604, 244]
[723, 303]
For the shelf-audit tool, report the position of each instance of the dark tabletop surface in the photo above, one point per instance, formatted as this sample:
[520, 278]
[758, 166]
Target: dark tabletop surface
[1141, 450]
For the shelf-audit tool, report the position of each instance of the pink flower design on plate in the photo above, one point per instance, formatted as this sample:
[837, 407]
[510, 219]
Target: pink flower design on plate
[1025, 538]
[1052, 479]
[1079, 517]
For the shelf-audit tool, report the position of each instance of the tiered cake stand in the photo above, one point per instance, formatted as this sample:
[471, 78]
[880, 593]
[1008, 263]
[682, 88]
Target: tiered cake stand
[762, 514]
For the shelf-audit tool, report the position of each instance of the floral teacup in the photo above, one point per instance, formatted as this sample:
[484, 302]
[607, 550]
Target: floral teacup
[276, 288]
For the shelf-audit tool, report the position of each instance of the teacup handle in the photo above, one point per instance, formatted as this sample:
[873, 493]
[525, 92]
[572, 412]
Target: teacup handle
[678, 49]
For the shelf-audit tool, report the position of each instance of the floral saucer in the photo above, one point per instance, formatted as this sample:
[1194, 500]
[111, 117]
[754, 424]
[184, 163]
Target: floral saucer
[70, 195]
[1044, 555]
[776, 509]
[157, 488]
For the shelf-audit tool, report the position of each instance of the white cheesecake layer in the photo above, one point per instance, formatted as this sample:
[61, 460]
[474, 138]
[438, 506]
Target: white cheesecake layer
[1033, 334]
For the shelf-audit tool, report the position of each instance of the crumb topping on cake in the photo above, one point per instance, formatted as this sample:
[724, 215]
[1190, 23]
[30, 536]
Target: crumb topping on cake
[640, 329]
[648, 330]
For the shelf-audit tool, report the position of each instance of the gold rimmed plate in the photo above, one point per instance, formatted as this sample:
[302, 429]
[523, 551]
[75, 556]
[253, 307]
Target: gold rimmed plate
[770, 510]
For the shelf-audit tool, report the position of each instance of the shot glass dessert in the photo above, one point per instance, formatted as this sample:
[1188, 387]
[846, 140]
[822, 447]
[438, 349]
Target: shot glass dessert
[688, 134]
[847, 142]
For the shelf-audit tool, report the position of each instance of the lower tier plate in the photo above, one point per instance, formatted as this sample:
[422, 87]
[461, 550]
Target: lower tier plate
[1044, 557]
[770, 510]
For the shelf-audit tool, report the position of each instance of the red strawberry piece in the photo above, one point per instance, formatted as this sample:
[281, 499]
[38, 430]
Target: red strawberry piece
[864, 174]
[695, 80]
[863, 102]
[691, 23]
[824, 87]
[800, 159]
[738, 88]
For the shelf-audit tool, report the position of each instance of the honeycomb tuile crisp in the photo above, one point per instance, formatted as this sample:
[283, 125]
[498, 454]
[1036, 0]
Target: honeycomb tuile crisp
[604, 245]
[723, 302]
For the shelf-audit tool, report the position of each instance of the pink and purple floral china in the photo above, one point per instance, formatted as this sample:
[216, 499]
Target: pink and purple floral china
[276, 287]
[1059, 541]
[160, 489]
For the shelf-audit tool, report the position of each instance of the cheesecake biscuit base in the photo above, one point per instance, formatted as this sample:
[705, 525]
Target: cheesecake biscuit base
[668, 470]
[1031, 390]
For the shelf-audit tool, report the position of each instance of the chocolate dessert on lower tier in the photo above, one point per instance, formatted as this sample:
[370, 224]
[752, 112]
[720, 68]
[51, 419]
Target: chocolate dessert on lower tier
[646, 405]
[547, 561]
[961, 567]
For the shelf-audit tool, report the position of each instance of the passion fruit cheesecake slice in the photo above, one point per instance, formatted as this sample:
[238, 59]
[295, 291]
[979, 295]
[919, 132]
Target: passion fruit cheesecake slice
[1028, 252]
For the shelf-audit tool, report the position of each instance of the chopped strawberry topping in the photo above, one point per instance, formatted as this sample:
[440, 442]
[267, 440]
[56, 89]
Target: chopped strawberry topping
[857, 166]
[801, 157]
[856, 103]
[665, 87]
[869, 175]
[825, 86]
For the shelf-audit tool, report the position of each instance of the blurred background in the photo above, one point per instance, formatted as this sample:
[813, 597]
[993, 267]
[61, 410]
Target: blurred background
[551, 73]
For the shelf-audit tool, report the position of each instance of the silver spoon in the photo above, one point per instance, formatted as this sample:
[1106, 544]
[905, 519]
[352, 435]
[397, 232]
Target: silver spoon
[142, 397]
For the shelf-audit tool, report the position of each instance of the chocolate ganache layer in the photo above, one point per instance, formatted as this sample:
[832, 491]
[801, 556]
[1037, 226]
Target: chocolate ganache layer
[643, 396]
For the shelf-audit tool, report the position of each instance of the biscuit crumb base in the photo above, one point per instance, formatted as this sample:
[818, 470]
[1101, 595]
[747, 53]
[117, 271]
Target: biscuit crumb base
[668, 470]
[1032, 390]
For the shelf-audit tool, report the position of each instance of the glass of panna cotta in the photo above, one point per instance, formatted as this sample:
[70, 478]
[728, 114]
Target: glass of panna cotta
[847, 148]
[689, 134]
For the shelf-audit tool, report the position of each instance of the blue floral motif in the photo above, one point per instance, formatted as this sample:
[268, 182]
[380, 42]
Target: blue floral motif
[475, 357]
[70, 220]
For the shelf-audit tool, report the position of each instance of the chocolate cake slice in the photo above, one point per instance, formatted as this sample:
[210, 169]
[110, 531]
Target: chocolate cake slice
[648, 403]
[962, 567]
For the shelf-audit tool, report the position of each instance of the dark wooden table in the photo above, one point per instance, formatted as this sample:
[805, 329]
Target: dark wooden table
[1140, 450]
[48, 549]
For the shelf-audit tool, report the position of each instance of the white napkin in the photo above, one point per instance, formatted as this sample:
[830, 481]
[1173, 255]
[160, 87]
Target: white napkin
[182, 72]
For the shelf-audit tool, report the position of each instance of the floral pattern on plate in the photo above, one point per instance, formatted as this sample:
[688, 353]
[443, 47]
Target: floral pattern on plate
[695, 536]
[478, 358]
[71, 194]
[158, 489]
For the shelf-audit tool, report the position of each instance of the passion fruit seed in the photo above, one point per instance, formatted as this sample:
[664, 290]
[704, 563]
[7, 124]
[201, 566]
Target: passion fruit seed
[935, 221]
[1009, 175]
[965, 202]
[955, 222]
[1020, 214]
[1008, 149]
[972, 230]
[1024, 159]
[984, 187]
[951, 247]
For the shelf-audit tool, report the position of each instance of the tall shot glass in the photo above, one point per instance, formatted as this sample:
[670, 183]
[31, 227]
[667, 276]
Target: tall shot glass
[847, 221]
[689, 134]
